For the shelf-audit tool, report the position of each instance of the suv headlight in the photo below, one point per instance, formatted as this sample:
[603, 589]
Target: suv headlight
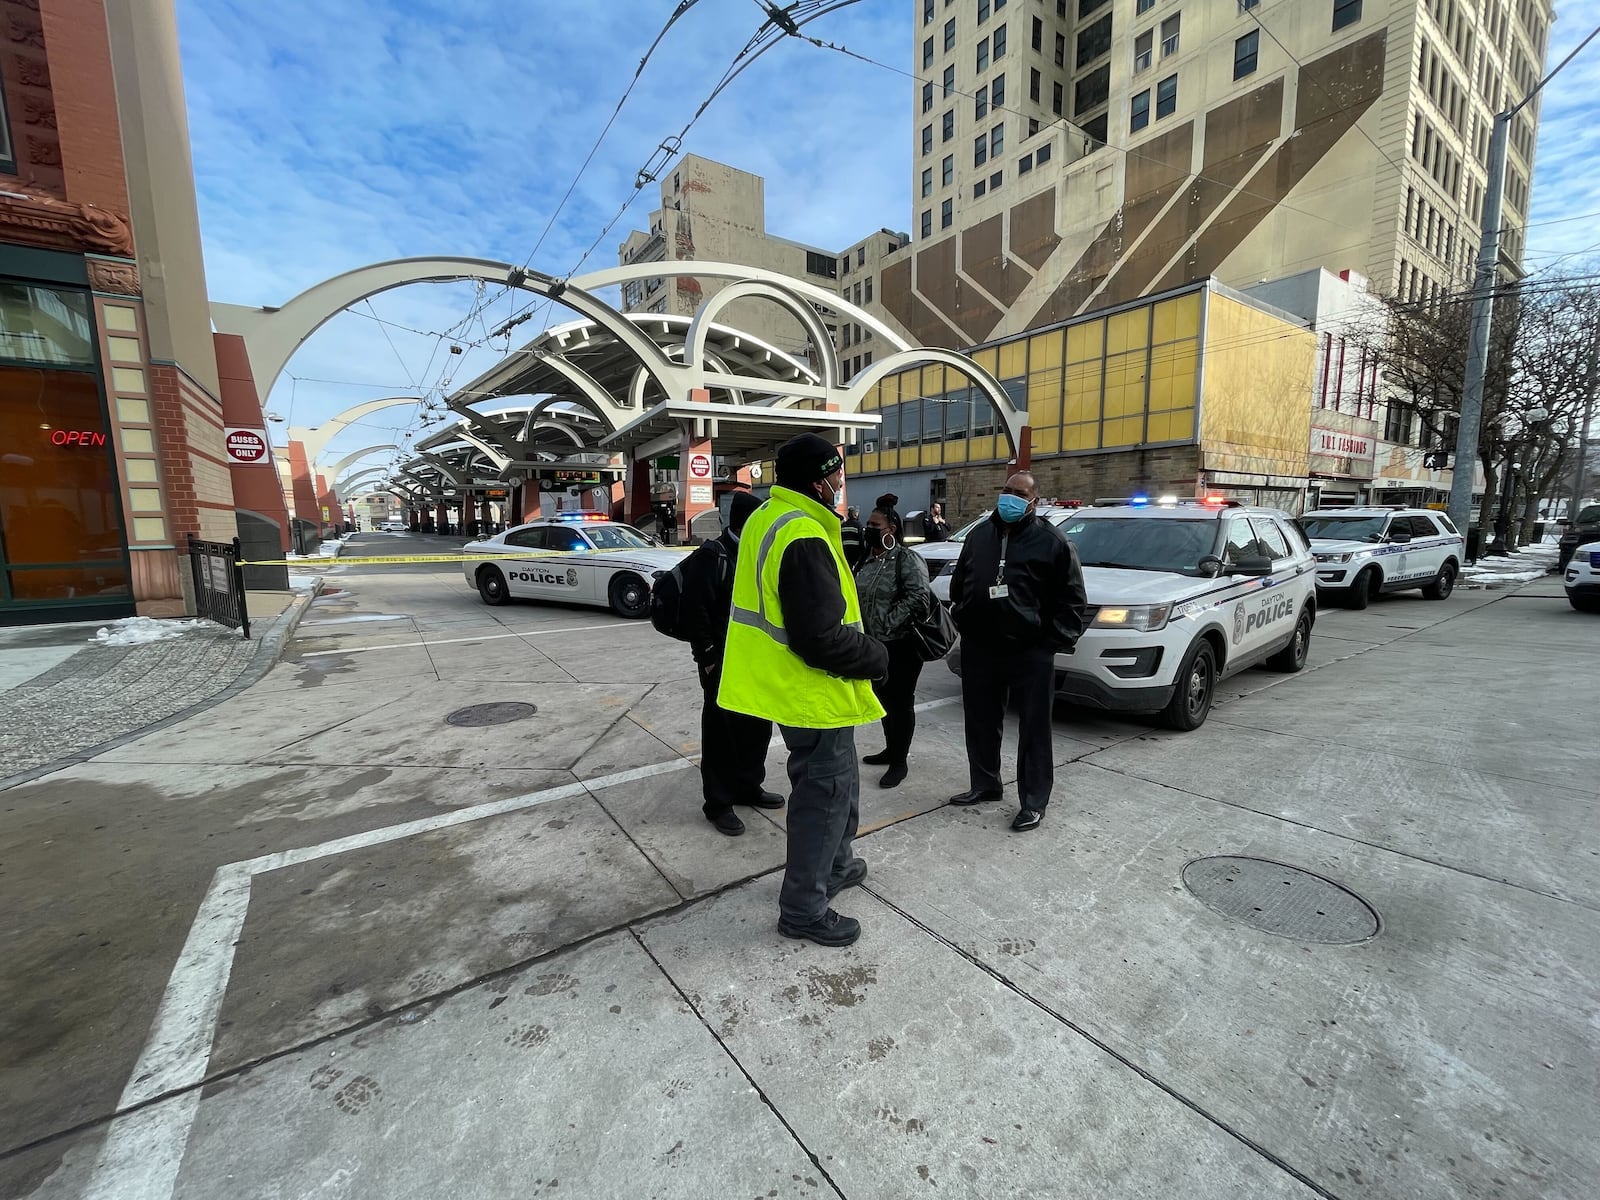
[1336, 558]
[1144, 617]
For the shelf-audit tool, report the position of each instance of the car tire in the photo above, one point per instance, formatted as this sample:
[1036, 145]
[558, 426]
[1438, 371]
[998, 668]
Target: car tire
[1292, 657]
[1193, 690]
[1443, 584]
[629, 596]
[1583, 604]
[492, 586]
[1360, 593]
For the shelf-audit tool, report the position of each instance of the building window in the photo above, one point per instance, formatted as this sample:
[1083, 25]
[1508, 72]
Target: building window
[1056, 92]
[867, 296]
[983, 56]
[949, 169]
[980, 188]
[997, 91]
[980, 103]
[983, 11]
[1143, 46]
[855, 297]
[950, 35]
[1246, 5]
[1244, 54]
[1169, 34]
[927, 139]
[1139, 113]
[1024, 164]
[1143, 6]
[1094, 40]
[821, 264]
[947, 214]
[1000, 42]
[1167, 96]
[927, 96]
[948, 126]
[1061, 49]
[927, 53]
[1038, 34]
[1033, 126]
[844, 266]
[861, 256]
[1042, 154]
[1092, 90]
[1397, 425]
[927, 181]
[1346, 12]
[997, 140]
[949, 81]
[1095, 130]
[927, 223]
[1035, 81]
[927, 12]
[994, 181]
[980, 150]
[999, 4]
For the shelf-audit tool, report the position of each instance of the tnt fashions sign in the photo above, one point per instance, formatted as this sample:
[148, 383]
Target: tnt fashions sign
[1342, 452]
[246, 447]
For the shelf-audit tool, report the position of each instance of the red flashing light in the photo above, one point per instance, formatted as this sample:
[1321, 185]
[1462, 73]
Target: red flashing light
[1214, 500]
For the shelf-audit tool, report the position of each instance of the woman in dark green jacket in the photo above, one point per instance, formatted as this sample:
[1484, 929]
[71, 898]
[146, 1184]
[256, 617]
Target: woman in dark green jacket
[893, 585]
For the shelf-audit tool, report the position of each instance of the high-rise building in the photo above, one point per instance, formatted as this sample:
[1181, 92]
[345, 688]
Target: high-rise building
[1075, 154]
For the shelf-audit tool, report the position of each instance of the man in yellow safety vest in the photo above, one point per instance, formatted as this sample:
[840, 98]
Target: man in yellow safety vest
[797, 656]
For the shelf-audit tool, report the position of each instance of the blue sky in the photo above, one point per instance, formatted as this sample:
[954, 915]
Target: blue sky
[329, 136]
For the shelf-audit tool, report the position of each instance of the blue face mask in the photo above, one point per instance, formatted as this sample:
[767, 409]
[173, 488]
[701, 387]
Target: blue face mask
[1011, 508]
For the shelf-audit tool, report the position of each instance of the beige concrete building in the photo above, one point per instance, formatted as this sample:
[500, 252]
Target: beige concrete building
[1140, 144]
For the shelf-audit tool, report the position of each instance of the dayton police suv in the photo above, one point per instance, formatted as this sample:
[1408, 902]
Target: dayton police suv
[1181, 595]
[577, 557]
[1582, 577]
[1364, 552]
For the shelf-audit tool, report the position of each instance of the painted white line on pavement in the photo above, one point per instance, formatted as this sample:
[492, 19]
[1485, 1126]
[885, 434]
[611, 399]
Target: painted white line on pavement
[939, 703]
[143, 1150]
[488, 637]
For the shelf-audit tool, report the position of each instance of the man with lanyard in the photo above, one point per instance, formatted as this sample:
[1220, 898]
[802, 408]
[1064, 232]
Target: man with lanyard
[796, 655]
[1017, 597]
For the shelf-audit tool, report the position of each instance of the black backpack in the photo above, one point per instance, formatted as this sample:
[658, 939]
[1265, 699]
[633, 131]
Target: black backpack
[666, 593]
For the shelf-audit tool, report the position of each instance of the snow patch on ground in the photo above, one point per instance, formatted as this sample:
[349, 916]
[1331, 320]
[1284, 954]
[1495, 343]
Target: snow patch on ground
[328, 549]
[136, 631]
[304, 583]
[1526, 565]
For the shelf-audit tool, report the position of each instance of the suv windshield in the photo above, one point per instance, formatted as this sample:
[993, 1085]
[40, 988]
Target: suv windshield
[616, 537]
[1142, 544]
[1352, 528]
[1588, 515]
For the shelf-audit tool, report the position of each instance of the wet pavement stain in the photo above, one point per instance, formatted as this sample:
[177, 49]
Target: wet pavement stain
[528, 1036]
[844, 988]
[356, 1095]
[549, 985]
[878, 1048]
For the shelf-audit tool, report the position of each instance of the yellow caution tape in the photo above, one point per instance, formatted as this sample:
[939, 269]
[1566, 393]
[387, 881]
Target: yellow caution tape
[533, 556]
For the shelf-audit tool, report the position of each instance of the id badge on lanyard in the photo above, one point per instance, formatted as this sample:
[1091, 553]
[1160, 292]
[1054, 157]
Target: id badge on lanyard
[1000, 591]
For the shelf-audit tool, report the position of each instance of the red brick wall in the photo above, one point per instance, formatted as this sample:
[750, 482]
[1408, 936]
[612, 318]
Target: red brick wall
[178, 482]
[30, 98]
[85, 101]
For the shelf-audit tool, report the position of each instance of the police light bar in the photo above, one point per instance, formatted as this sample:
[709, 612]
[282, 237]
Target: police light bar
[582, 516]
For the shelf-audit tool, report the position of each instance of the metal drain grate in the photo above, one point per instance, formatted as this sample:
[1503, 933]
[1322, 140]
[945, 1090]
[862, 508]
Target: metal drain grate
[1280, 899]
[501, 712]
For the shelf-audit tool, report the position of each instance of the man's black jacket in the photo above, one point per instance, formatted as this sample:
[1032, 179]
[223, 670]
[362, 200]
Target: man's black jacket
[1043, 607]
[812, 597]
[708, 598]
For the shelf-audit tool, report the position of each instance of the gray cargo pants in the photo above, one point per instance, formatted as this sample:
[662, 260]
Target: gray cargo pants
[824, 809]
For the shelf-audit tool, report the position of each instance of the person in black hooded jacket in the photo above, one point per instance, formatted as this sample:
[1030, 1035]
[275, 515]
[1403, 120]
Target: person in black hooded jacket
[733, 746]
[1017, 597]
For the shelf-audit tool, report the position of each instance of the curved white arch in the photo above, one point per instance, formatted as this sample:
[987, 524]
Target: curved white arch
[315, 438]
[342, 486]
[339, 467]
[272, 335]
[759, 289]
[1014, 418]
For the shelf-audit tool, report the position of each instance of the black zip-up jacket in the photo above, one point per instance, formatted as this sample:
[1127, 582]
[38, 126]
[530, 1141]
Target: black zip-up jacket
[708, 598]
[1043, 607]
[812, 596]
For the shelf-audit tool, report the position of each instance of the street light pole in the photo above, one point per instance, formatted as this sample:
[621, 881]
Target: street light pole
[1466, 459]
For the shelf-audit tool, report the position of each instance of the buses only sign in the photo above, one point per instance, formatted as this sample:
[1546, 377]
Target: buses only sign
[246, 446]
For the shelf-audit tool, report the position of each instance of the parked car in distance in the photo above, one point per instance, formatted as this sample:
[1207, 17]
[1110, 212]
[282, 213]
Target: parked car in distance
[1365, 552]
[1582, 529]
[1582, 577]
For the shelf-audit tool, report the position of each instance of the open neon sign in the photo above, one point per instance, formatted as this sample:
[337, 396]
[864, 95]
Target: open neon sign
[77, 437]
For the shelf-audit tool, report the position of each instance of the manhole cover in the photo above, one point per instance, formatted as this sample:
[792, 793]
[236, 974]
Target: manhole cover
[1279, 899]
[500, 712]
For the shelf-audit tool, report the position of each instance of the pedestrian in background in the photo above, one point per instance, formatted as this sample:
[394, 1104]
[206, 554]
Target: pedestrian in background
[797, 655]
[733, 746]
[850, 533]
[934, 527]
[1017, 598]
[894, 591]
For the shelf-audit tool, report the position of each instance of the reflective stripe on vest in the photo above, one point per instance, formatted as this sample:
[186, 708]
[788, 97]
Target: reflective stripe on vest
[758, 618]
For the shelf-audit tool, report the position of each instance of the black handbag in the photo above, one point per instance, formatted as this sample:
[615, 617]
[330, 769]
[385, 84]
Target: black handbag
[935, 634]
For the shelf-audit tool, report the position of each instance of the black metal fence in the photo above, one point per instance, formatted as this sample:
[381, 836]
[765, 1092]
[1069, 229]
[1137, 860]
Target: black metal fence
[219, 582]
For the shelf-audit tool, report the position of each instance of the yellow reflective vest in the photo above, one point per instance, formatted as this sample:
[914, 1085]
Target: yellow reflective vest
[761, 676]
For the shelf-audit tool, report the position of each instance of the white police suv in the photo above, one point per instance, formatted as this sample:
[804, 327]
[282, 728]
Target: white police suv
[1364, 552]
[1582, 578]
[576, 557]
[1182, 595]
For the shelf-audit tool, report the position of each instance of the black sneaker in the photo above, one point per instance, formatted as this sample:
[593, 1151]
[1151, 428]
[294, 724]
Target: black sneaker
[855, 873]
[765, 799]
[727, 822]
[880, 759]
[975, 797]
[830, 929]
[894, 776]
[1026, 819]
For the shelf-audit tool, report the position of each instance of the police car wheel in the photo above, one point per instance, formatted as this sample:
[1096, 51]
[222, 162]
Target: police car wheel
[1191, 695]
[492, 586]
[1583, 604]
[1360, 593]
[1293, 656]
[630, 596]
[1443, 584]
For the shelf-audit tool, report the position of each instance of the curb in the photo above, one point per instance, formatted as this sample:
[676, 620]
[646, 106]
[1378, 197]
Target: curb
[268, 651]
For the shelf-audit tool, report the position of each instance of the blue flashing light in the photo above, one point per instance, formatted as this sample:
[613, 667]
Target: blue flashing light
[581, 516]
[1138, 501]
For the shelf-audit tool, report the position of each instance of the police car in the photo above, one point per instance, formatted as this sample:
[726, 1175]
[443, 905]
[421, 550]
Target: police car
[1583, 578]
[576, 557]
[1182, 595]
[1365, 552]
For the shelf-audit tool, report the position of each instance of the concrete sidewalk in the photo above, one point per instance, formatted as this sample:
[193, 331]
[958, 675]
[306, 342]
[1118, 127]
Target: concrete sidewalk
[514, 960]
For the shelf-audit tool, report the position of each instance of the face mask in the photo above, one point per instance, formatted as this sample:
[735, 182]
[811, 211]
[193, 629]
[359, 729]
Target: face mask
[837, 493]
[874, 538]
[1011, 508]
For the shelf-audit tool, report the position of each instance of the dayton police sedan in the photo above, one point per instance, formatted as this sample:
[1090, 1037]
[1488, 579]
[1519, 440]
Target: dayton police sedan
[575, 557]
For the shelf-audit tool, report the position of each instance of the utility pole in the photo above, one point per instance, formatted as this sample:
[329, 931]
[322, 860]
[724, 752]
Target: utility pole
[1483, 285]
[1583, 435]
